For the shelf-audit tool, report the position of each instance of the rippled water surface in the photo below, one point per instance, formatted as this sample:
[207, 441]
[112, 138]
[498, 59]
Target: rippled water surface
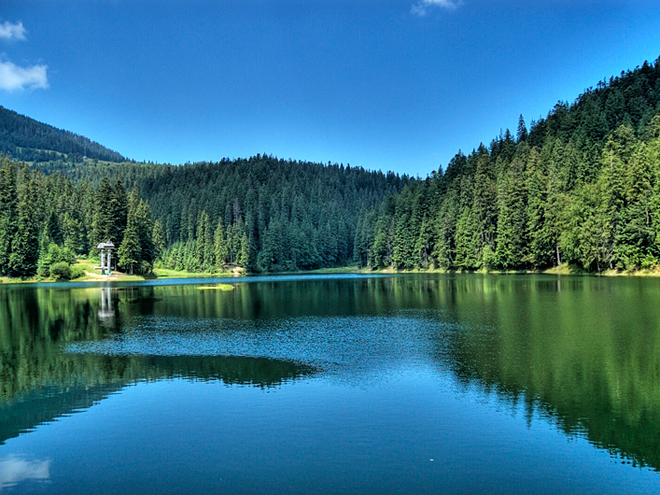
[332, 384]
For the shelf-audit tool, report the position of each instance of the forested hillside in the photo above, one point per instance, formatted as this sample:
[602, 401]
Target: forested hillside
[47, 220]
[28, 140]
[581, 186]
[272, 214]
[262, 214]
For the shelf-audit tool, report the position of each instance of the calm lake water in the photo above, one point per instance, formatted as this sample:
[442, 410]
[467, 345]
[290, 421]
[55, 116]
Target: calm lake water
[332, 384]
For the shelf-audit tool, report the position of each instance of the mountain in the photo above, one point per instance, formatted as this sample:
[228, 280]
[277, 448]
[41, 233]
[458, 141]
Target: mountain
[581, 186]
[28, 140]
[263, 214]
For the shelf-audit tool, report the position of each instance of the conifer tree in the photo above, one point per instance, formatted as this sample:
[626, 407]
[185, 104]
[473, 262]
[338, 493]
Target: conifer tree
[202, 236]
[446, 219]
[8, 211]
[220, 250]
[522, 129]
[466, 252]
[25, 244]
[53, 230]
[73, 233]
[130, 251]
[145, 227]
[158, 237]
[484, 210]
[118, 212]
[102, 221]
[137, 252]
[512, 241]
[541, 244]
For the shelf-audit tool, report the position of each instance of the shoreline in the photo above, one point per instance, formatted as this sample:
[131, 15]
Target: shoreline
[165, 273]
[560, 270]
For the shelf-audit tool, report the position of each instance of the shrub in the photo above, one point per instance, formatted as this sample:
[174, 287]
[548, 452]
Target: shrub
[77, 271]
[145, 268]
[53, 255]
[60, 270]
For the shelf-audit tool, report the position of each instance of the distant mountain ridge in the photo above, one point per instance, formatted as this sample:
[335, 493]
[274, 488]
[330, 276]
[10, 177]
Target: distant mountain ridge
[26, 139]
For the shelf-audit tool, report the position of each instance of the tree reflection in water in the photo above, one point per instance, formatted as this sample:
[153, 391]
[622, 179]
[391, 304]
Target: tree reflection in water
[583, 352]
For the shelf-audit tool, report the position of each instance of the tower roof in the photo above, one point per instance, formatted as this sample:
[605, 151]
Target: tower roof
[106, 245]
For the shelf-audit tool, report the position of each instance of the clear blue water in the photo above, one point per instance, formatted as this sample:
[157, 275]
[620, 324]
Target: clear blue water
[340, 384]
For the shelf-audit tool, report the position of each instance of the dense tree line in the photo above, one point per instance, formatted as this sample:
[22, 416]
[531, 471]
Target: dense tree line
[28, 140]
[48, 220]
[261, 214]
[581, 186]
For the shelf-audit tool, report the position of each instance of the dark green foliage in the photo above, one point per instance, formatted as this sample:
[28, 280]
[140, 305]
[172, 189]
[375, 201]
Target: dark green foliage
[61, 270]
[137, 251]
[130, 251]
[46, 220]
[25, 243]
[511, 239]
[28, 140]
[158, 237]
[522, 129]
[102, 220]
[262, 214]
[8, 211]
[52, 255]
[311, 208]
[580, 186]
[110, 212]
[118, 212]
[53, 229]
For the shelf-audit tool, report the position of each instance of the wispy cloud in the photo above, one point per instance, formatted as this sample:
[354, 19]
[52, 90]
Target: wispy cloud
[13, 77]
[422, 7]
[9, 31]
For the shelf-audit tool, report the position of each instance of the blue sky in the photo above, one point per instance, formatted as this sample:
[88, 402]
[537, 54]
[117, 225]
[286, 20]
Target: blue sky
[396, 85]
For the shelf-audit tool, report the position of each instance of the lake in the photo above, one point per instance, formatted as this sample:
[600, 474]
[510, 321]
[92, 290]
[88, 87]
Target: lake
[332, 384]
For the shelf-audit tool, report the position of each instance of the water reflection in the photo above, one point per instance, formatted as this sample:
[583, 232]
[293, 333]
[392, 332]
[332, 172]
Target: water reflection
[92, 378]
[14, 470]
[107, 311]
[40, 381]
[584, 352]
[22, 414]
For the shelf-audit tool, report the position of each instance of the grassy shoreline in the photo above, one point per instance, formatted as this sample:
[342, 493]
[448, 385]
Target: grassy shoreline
[92, 275]
[563, 269]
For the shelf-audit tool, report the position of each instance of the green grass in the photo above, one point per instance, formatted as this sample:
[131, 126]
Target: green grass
[92, 275]
[327, 271]
[169, 273]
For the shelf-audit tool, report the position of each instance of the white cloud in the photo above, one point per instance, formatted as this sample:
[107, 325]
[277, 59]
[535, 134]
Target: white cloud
[9, 31]
[14, 470]
[422, 7]
[13, 77]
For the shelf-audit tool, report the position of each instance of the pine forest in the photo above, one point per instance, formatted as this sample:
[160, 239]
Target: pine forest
[578, 188]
